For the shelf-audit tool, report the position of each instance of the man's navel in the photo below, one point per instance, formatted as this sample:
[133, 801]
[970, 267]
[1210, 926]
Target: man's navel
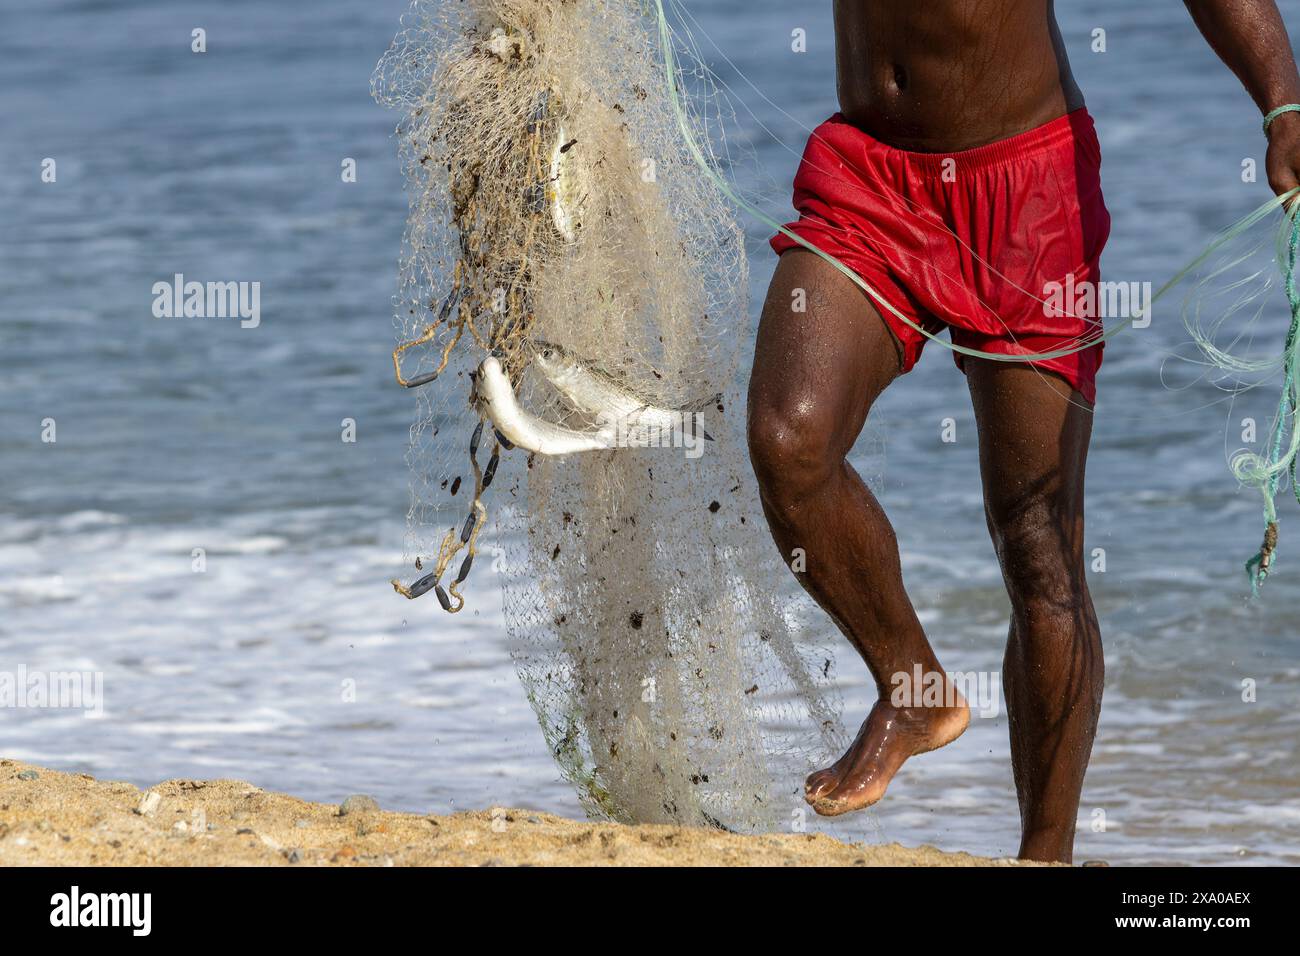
[900, 79]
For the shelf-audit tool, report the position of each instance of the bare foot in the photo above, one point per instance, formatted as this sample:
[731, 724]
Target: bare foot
[888, 737]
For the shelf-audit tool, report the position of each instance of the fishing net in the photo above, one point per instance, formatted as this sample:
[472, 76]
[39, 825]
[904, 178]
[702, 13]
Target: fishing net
[557, 210]
[1235, 287]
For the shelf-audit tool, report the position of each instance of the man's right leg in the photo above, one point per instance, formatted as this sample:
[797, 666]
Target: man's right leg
[816, 374]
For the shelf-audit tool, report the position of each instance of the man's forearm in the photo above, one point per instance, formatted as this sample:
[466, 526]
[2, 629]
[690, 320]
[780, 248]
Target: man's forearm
[1250, 37]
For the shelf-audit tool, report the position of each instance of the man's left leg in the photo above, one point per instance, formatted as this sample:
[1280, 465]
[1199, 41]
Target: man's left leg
[1033, 432]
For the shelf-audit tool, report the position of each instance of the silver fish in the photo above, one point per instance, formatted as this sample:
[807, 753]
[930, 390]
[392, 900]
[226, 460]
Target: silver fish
[609, 401]
[567, 190]
[522, 428]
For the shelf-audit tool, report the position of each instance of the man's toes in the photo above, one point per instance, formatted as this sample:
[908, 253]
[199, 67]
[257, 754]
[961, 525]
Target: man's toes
[826, 807]
[819, 784]
[852, 793]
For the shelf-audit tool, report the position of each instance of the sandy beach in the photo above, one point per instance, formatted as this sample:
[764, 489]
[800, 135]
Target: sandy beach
[53, 818]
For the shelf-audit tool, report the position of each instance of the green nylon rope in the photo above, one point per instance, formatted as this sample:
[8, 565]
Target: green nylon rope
[1251, 469]
[1263, 472]
[1274, 114]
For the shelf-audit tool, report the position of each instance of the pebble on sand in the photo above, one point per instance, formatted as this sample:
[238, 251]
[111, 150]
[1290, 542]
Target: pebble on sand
[149, 803]
[358, 803]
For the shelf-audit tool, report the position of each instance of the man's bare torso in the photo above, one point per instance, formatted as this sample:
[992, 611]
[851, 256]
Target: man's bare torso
[942, 75]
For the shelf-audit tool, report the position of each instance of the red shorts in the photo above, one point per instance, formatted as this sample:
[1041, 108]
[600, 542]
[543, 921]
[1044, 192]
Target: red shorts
[983, 242]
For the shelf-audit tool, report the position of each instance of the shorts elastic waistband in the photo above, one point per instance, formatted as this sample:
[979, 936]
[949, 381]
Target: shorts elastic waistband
[1052, 135]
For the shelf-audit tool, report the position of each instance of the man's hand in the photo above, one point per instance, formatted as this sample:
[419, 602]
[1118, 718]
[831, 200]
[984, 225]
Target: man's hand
[1283, 160]
[1250, 37]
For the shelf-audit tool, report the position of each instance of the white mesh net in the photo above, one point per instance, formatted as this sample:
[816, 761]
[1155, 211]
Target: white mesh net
[553, 205]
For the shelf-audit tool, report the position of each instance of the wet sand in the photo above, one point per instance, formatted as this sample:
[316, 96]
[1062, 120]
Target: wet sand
[53, 818]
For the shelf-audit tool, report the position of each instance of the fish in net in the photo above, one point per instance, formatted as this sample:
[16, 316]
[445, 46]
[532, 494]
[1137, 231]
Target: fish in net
[570, 314]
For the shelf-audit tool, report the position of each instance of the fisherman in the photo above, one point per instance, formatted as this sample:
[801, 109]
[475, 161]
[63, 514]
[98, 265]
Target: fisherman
[959, 179]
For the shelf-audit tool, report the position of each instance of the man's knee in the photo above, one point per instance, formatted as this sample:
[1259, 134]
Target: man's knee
[1037, 538]
[790, 447]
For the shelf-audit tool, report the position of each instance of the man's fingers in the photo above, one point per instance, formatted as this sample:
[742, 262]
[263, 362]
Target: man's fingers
[1288, 183]
[1283, 160]
[1283, 181]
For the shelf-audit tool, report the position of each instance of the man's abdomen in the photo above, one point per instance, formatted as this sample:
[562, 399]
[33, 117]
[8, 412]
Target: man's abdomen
[945, 75]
